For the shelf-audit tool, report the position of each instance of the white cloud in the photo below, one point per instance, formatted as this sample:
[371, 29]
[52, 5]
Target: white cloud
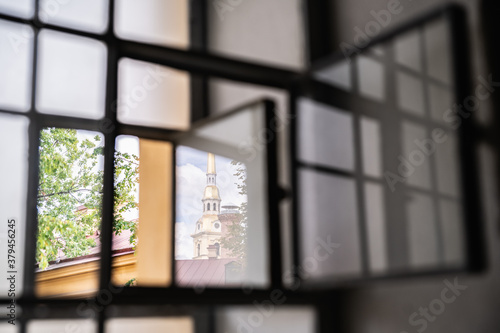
[183, 242]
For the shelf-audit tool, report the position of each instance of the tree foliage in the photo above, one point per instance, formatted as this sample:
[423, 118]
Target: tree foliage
[70, 177]
[236, 238]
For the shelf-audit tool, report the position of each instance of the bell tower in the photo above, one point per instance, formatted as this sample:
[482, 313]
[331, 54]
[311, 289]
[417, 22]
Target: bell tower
[211, 199]
[207, 233]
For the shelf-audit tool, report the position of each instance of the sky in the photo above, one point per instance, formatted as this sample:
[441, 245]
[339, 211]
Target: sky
[191, 168]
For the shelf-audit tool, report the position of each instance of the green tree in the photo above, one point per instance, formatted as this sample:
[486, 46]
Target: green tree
[236, 238]
[69, 178]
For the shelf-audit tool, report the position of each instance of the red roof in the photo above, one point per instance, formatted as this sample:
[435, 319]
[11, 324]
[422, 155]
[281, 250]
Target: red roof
[203, 272]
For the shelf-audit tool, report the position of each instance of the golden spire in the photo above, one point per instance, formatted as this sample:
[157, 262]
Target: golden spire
[211, 163]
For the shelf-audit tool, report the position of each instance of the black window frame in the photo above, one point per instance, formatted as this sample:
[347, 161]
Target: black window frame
[201, 65]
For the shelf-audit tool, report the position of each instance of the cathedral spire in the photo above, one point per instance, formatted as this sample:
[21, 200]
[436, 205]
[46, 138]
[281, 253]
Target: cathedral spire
[211, 173]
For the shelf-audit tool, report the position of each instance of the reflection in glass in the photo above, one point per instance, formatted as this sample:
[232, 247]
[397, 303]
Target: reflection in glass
[371, 77]
[329, 230]
[326, 135]
[410, 93]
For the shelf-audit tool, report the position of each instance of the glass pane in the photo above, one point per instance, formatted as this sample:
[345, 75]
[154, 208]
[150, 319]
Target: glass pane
[16, 43]
[71, 75]
[126, 210]
[325, 135]
[338, 75]
[218, 233]
[153, 325]
[376, 226]
[453, 232]
[153, 21]
[422, 231]
[210, 218]
[69, 212]
[410, 93]
[14, 178]
[276, 37]
[440, 100]
[438, 51]
[8, 328]
[408, 50]
[414, 162]
[371, 145]
[153, 95]
[328, 226]
[271, 318]
[371, 77]
[60, 325]
[88, 15]
[447, 165]
[142, 240]
[21, 8]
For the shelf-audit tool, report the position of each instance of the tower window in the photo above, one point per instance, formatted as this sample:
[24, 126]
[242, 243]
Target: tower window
[217, 250]
[198, 249]
[215, 206]
[208, 206]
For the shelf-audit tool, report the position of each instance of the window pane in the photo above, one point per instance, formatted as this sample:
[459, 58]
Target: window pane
[453, 232]
[16, 42]
[440, 100]
[410, 93]
[71, 75]
[408, 50]
[153, 21]
[276, 37]
[13, 177]
[126, 210]
[153, 325]
[371, 145]
[438, 51]
[66, 325]
[422, 231]
[299, 319]
[338, 75]
[153, 95]
[328, 226]
[415, 163]
[69, 212]
[142, 239]
[371, 77]
[325, 135]
[211, 219]
[88, 15]
[376, 226]
[21, 8]
[243, 249]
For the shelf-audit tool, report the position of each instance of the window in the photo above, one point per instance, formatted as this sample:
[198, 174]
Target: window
[121, 75]
[379, 164]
